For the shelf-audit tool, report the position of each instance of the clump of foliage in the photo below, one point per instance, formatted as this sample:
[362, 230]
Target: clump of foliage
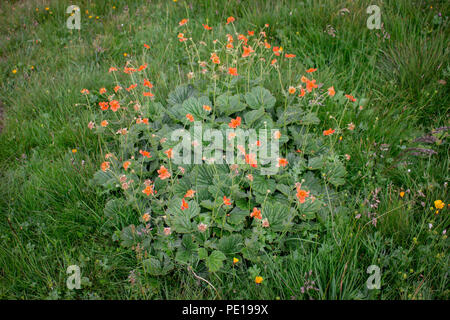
[214, 215]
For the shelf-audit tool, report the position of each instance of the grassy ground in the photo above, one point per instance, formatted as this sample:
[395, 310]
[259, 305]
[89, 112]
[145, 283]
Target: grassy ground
[52, 214]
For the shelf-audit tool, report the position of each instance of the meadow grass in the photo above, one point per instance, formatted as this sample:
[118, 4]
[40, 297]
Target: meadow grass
[52, 213]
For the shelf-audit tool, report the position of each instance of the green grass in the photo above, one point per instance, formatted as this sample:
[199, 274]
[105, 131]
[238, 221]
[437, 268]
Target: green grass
[52, 214]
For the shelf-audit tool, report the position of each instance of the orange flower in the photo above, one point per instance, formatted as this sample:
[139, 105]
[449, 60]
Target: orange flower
[350, 97]
[117, 88]
[243, 38]
[328, 132]
[143, 67]
[276, 51]
[302, 92]
[301, 194]
[184, 204]
[148, 94]
[102, 90]
[105, 166]
[331, 91]
[131, 87]
[112, 69]
[247, 51]
[104, 105]
[183, 22]
[266, 44]
[169, 153]
[251, 160]
[148, 84]
[146, 46]
[146, 217]
[282, 162]
[291, 90]
[190, 193]
[104, 123]
[190, 117]
[226, 201]
[126, 164]
[251, 33]
[129, 70]
[311, 70]
[206, 27]
[234, 123]
[290, 55]
[145, 153]
[230, 20]
[149, 190]
[310, 85]
[256, 213]
[206, 107]
[114, 104]
[273, 62]
[304, 79]
[232, 71]
[85, 91]
[215, 58]
[163, 173]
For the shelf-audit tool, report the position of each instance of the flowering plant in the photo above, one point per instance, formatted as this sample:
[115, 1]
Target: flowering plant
[202, 210]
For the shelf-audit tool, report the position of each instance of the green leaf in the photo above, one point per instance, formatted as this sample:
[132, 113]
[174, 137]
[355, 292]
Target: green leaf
[187, 249]
[284, 189]
[335, 173]
[260, 98]
[158, 266]
[127, 236]
[261, 184]
[105, 179]
[279, 216]
[316, 163]
[180, 94]
[228, 105]
[291, 115]
[230, 245]
[194, 106]
[309, 119]
[181, 220]
[252, 116]
[309, 208]
[215, 261]
[202, 253]
[237, 215]
[114, 207]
